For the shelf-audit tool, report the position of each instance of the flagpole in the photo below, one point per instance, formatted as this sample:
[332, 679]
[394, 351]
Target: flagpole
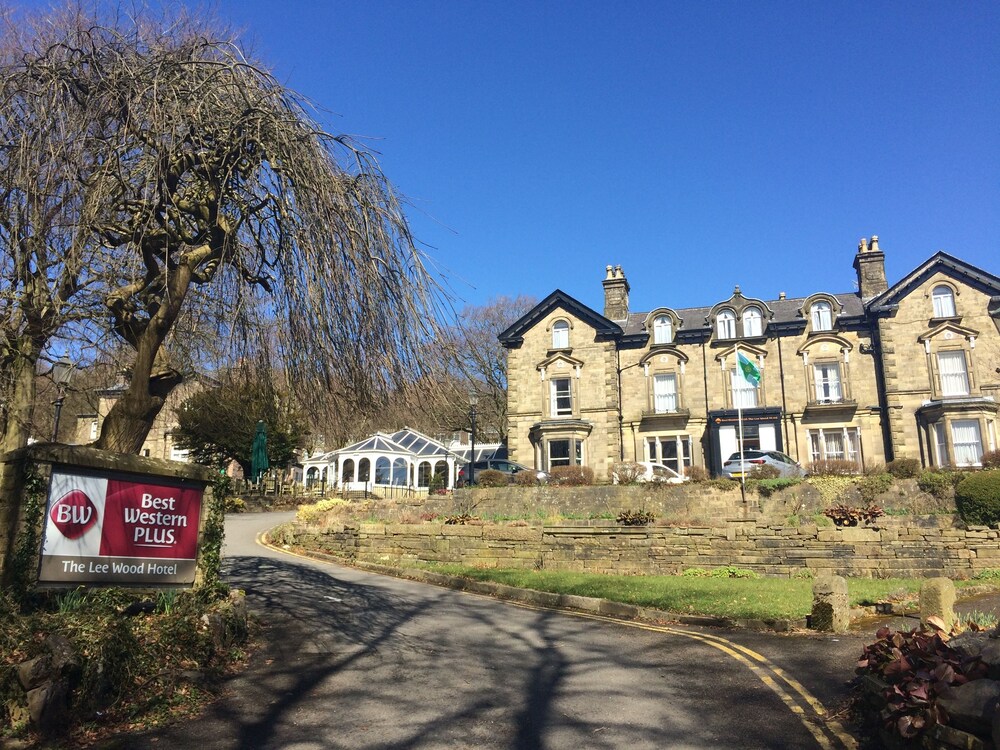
[739, 421]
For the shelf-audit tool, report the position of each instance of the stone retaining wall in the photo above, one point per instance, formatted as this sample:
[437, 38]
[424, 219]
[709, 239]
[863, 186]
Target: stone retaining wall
[903, 546]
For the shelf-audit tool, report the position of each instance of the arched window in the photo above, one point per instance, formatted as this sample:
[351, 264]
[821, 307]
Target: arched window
[560, 334]
[347, 472]
[399, 472]
[364, 470]
[752, 320]
[441, 473]
[663, 330]
[312, 476]
[944, 301]
[383, 470]
[822, 316]
[726, 324]
[424, 474]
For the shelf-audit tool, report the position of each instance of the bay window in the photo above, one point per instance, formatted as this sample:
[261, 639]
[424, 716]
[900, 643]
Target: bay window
[835, 444]
[968, 442]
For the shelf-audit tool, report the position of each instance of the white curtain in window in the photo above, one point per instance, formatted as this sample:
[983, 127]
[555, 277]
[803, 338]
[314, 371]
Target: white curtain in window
[726, 324]
[821, 316]
[665, 393]
[663, 331]
[744, 394]
[827, 375]
[954, 377]
[944, 302]
[752, 322]
[560, 335]
[833, 445]
[968, 442]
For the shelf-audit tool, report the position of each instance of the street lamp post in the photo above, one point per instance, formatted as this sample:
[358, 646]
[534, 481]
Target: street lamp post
[473, 400]
[62, 371]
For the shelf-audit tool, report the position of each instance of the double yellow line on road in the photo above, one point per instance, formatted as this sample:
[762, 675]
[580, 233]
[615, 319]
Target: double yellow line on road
[828, 733]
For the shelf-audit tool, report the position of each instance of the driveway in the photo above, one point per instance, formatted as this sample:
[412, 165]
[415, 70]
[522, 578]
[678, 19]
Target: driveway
[357, 660]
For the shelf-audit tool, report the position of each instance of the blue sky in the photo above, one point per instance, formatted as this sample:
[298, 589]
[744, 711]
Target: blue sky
[699, 145]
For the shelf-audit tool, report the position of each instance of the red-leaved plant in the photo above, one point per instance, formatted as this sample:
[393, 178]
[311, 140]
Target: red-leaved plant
[917, 667]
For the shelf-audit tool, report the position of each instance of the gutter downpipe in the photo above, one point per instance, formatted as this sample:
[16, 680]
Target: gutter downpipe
[883, 396]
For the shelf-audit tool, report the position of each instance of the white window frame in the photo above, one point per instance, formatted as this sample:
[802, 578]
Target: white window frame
[663, 330]
[968, 451]
[725, 324]
[943, 299]
[826, 377]
[822, 316]
[941, 444]
[953, 373]
[665, 393]
[560, 334]
[753, 322]
[556, 393]
[847, 438]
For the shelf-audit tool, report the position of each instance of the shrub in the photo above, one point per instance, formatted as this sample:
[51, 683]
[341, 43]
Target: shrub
[903, 468]
[491, 478]
[313, 512]
[764, 472]
[572, 476]
[991, 460]
[872, 485]
[767, 487]
[832, 468]
[696, 473]
[726, 571]
[846, 515]
[978, 498]
[626, 472]
[918, 666]
[635, 517]
[526, 478]
[724, 484]
[938, 483]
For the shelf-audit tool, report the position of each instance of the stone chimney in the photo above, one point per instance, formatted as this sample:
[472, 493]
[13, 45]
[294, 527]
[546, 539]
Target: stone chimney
[615, 294]
[870, 265]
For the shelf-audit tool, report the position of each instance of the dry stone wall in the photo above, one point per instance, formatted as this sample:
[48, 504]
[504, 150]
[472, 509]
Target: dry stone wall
[909, 546]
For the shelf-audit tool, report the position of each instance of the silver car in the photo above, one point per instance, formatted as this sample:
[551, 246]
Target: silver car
[734, 467]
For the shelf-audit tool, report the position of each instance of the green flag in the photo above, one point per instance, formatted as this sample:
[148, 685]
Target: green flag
[749, 369]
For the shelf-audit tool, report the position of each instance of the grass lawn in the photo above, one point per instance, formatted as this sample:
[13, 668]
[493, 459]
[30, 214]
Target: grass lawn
[763, 598]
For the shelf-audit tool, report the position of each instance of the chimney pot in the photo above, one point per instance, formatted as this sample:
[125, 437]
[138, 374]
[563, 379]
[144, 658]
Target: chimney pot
[781, 295]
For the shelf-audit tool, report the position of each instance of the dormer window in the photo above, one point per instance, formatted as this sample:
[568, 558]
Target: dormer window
[944, 301]
[560, 334]
[822, 316]
[663, 330]
[752, 322]
[725, 324]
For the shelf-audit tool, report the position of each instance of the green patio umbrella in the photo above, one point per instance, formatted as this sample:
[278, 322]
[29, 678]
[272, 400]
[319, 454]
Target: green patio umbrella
[258, 453]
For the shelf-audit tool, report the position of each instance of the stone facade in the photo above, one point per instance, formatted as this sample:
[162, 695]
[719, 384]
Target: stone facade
[908, 370]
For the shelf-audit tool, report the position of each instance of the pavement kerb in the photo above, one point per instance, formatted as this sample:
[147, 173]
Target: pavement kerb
[547, 599]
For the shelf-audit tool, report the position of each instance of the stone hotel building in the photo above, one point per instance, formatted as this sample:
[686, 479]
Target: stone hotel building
[908, 370]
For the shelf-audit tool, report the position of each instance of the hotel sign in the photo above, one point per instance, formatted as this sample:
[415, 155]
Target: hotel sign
[103, 527]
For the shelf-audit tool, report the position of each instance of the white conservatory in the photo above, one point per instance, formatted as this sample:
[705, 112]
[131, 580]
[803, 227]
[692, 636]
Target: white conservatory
[404, 459]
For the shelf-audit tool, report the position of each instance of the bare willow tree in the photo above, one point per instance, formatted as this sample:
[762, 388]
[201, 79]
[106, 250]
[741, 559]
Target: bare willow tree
[210, 198]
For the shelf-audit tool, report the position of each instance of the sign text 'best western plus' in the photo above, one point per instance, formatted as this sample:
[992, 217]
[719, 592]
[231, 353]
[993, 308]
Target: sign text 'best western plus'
[109, 528]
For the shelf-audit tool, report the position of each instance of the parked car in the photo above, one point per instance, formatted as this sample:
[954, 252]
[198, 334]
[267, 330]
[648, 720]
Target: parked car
[734, 467]
[509, 468]
[653, 472]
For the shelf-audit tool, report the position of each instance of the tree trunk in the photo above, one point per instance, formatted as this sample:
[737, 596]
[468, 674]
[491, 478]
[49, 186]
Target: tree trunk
[20, 409]
[131, 418]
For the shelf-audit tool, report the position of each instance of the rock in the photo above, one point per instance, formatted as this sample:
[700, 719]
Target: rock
[34, 672]
[972, 706]
[990, 655]
[831, 609]
[64, 658]
[47, 706]
[969, 644]
[937, 599]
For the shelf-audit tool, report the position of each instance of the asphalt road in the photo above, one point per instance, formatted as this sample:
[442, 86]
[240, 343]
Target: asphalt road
[357, 660]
